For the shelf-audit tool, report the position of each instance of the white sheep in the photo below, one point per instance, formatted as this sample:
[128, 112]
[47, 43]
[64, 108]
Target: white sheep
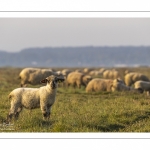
[77, 79]
[142, 86]
[111, 74]
[65, 72]
[34, 75]
[98, 84]
[31, 98]
[87, 70]
[95, 73]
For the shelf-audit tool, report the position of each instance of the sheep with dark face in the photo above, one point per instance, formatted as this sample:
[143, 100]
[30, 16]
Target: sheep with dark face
[31, 98]
[142, 86]
[119, 85]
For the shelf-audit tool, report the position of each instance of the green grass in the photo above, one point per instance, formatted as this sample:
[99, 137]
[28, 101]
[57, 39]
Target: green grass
[77, 111]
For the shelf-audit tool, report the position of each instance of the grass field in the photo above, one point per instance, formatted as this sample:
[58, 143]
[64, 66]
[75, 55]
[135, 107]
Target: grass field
[76, 111]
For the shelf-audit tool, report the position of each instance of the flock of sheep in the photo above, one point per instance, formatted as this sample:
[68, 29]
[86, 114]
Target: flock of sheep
[93, 81]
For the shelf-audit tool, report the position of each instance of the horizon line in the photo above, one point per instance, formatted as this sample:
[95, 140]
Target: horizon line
[41, 47]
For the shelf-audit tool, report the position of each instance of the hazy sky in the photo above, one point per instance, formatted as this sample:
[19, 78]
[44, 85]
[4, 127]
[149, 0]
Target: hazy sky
[19, 33]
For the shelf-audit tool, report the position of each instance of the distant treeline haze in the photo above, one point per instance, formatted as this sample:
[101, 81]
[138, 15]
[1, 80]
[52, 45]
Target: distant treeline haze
[77, 57]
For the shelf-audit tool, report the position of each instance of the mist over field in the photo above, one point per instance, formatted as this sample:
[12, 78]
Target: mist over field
[88, 56]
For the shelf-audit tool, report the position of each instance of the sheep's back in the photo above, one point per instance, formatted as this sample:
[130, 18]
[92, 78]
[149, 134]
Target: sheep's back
[26, 97]
[74, 76]
[142, 84]
[99, 85]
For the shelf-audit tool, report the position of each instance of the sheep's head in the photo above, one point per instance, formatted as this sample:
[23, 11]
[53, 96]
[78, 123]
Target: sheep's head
[119, 85]
[53, 80]
[87, 79]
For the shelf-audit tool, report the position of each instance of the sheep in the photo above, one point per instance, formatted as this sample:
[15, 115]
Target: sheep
[109, 85]
[106, 74]
[34, 75]
[77, 79]
[98, 84]
[87, 70]
[142, 86]
[111, 74]
[95, 73]
[92, 73]
[119, 85]
[31, 98]
[131, 78]
[65, 72]
[102, 70]
[79, 70]
[127, 71]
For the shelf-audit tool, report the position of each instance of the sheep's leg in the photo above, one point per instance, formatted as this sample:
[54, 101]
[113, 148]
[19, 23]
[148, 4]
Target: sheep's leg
[23, 85]
[148, 93]
[48, 111]
[67, 84]
[44, 111]
[17, 113]
[74, 85]
[79, 86]
[12, 112]
[9, 117]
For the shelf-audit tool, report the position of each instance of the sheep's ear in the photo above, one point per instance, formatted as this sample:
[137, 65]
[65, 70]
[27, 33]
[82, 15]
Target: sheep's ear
[44, 81]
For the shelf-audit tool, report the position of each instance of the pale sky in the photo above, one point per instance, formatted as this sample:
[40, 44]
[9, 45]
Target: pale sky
[20, 33]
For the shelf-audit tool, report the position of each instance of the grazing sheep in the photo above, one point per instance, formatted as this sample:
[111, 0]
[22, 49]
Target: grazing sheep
[78, 70]
[87, 70]
[111, 74]
[95, 73]
[31, 98]
[142, 86]
[97, 85]
[65, 72]
[102, 70]
[118, 85]
[78, 79]
[127, 71]
[92, 73]
[132, 77]
[34, 75]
